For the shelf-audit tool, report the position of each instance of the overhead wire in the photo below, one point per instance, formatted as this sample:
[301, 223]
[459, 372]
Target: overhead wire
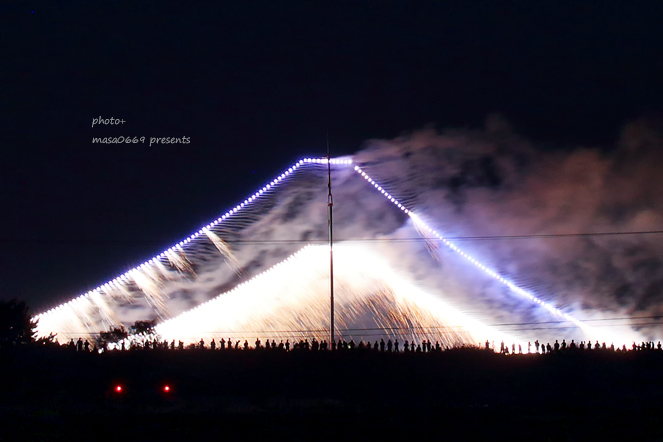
[303, 241]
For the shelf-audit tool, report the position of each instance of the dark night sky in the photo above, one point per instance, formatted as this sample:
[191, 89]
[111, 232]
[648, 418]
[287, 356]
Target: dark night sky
[256, 86]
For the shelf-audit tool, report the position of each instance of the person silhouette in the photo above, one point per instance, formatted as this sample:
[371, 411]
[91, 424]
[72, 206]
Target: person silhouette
[396, 346]
[212, 345]
[79, 344]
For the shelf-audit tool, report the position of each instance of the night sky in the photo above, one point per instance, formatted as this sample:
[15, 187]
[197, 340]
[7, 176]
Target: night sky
[258, 85]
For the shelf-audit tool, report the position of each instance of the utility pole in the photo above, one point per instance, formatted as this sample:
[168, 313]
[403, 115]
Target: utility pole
[330, 204]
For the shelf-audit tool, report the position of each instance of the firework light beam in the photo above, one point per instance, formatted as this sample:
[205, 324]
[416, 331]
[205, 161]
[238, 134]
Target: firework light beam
[290, 301]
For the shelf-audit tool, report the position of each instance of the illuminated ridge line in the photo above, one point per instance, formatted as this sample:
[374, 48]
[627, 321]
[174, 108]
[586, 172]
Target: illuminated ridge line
[551, 308]
[180, 246]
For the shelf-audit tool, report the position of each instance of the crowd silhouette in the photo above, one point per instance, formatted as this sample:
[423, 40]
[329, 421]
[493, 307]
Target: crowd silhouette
[395, 346]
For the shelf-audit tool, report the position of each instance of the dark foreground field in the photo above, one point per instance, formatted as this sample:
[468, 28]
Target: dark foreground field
[258, 395]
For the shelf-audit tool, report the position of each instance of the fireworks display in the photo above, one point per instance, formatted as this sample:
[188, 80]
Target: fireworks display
[211, 284]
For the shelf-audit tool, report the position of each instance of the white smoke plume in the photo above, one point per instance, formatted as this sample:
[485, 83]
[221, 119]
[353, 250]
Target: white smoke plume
[493, 182]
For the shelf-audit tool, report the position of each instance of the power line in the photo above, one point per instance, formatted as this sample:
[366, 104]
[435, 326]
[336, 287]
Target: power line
[309, 241]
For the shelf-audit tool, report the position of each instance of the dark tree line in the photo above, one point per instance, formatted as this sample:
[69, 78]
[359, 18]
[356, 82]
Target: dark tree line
[17, 326]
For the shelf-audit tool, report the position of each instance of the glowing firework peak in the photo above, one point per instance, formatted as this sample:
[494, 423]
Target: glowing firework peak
[176, 256]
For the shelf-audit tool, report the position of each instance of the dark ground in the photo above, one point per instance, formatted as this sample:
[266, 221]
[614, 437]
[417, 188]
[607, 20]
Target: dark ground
[256, 395]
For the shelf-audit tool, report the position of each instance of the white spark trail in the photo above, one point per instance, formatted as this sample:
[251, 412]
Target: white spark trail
[225, 250]
[177, 259]
[151, 287]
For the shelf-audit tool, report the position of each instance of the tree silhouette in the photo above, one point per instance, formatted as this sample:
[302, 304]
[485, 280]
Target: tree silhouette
[145, 327]
[143, 331]
[115, 334]
[16, 325]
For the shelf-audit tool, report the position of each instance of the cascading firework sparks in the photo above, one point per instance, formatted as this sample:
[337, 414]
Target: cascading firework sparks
[224, 249]
[291, 301]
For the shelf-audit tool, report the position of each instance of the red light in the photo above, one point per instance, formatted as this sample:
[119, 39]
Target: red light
[166, 388]
[118, 389]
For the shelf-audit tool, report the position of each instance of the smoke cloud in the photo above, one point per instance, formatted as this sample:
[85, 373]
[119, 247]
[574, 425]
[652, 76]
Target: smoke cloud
[493, 182]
